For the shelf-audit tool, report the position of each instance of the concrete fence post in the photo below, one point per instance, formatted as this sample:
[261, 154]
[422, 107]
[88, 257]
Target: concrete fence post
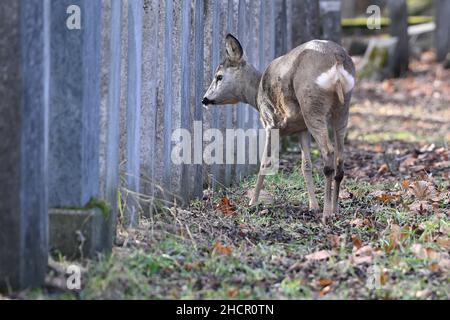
[199, 21]
[24, 61]
[231, 111]
[280, 27]
[398, 28]
[133, 113]
[110, 113]
[442, 34]
[149, 102]
[330, 12]
[305, 21]
[78, 216]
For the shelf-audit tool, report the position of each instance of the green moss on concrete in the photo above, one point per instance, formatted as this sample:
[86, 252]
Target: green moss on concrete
[104, 207]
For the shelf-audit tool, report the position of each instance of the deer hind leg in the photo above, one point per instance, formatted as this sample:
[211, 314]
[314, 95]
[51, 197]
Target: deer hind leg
[265, 165]
[316, 121]
[339, 123]
[339, 136]
[305, 142]
[326, 149]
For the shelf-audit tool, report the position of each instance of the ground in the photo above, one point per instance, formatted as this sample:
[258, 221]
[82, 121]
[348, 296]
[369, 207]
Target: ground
[390, 240]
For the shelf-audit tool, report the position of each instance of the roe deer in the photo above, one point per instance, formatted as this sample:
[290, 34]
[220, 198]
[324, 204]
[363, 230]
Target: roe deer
[302, 92]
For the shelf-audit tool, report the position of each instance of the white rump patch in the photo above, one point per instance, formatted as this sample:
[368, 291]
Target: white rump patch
[328, 79]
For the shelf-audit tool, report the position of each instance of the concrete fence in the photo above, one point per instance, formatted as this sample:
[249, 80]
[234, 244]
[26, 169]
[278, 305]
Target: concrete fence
[92, 92]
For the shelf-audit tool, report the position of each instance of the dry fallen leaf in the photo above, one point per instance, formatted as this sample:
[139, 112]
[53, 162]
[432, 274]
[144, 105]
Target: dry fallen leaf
[325, 291]
[324, 282]
[444, 264]
[344, 194]
[319, 255]
[420, 207]
[386, 198]
[444, 242]
[408, 162]
[424, 253]
[422, 190]
[406, 184]
[378, 148]
[357, 222]
[423, 294]
[357, 243]
[362, 255]
[225, 207]
[383, 169]
[218, 247]
[232, 292]
[334, 240]
[388, 86]
[419, 251]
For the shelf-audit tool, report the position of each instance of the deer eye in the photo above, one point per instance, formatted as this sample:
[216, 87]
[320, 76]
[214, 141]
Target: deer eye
[219, 78]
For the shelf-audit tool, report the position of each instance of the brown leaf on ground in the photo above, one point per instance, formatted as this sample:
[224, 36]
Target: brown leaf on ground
[408, 162]
[222, 249]
[388, 86]
[362, 255]
[357, 222]
[419, 251]
[444, 264]
[325, 291]
[378, 148]
[406, 184]
[357, 243]
[444, 242]
[335, 240]
[423, 294]
[344, 194]
[386, 198]
[324, 282]
[225, 207]
[422, 190]
[425, 253]
[383, 169]
[420, 207]
[232, 292]
[319, 255]
[395, 236]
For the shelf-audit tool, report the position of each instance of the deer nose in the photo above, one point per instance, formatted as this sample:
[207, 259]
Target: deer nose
[206, 101]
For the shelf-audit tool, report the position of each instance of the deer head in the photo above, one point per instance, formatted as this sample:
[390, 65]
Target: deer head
[235, 80]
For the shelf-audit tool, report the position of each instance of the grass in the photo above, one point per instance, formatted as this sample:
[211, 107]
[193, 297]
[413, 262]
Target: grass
[261, 251]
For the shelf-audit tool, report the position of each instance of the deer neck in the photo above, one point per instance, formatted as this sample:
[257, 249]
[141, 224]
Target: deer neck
[250, 86]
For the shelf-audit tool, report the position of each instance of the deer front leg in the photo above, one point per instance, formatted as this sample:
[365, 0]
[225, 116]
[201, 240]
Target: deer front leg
[262, 169]
[305, 143]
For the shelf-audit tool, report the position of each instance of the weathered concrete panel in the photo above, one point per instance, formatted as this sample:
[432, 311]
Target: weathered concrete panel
[24, 65]
[149, 100]
[330, 13]
[132, 166]
[74, 105]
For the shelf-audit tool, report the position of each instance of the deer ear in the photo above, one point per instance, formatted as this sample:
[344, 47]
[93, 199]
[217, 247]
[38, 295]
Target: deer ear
[234, 48]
